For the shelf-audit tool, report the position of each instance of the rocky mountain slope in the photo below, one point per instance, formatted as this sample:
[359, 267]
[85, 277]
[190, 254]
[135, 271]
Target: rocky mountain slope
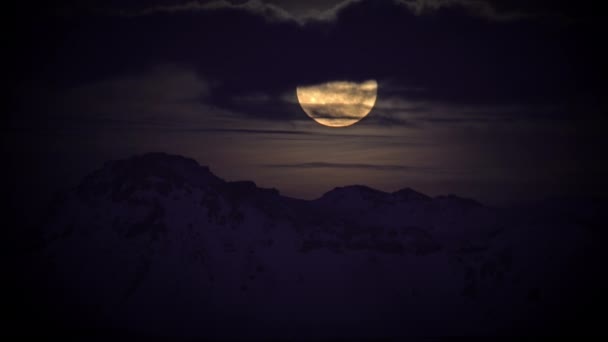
[158, 245]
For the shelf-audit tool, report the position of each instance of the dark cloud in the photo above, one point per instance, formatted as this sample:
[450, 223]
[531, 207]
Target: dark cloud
[304, 12]
[424, 51]
[456, 57]
[267, 10]
[564, 9]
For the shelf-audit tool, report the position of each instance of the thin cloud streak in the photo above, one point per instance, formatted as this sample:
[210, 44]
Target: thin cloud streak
[377, 167]
[285, 132]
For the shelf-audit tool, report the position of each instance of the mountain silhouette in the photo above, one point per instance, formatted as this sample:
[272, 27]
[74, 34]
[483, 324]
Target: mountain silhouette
[157, 245]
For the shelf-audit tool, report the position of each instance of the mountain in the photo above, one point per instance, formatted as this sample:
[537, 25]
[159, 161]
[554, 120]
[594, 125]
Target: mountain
[157, 245]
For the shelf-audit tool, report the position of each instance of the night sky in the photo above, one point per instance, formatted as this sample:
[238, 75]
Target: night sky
[501, 101]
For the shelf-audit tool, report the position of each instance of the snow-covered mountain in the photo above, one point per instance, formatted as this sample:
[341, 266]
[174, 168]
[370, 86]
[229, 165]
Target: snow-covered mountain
[158, 245]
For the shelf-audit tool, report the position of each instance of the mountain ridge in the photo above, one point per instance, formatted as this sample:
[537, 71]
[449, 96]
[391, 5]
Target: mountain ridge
[157, 244]
[158, 162]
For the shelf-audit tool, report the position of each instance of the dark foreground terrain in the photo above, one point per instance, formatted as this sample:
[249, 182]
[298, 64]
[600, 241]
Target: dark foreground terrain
[157, 246]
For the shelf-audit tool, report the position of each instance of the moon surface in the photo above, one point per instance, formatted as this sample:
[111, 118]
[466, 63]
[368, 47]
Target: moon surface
[338, 104]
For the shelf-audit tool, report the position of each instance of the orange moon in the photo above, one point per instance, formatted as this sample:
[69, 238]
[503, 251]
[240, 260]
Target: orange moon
[338, 104]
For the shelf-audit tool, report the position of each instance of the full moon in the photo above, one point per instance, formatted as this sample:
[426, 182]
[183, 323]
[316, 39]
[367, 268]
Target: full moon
[338, 104]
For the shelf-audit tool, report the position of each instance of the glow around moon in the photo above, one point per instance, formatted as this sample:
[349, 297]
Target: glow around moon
[338, 104]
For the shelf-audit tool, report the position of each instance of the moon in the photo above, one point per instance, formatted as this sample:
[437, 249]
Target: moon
[338, 104]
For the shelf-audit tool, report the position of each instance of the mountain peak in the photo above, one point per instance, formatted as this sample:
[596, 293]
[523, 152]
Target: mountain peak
[453, 199]
[408, 194]
[160, 171]
[157, 160]
[365, 192]
[248, 188]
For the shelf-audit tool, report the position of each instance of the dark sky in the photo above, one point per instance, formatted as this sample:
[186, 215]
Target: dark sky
[502, 101]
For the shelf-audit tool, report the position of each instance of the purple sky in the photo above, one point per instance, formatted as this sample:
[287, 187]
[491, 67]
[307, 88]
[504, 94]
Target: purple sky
[495, 100]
